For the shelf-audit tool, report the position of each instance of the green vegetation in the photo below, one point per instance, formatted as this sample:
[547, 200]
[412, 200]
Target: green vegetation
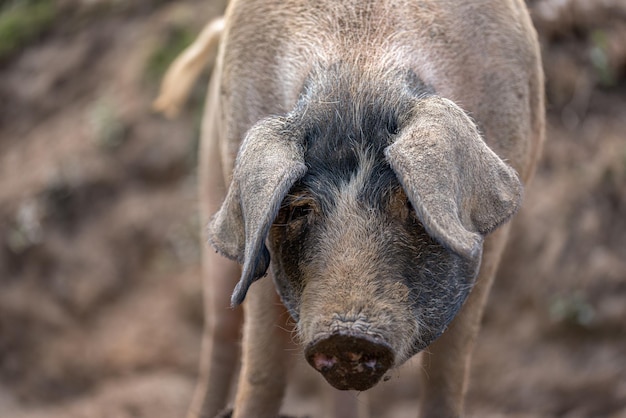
[600, 59]
[108, 128]
[572, 309]
[21, 21]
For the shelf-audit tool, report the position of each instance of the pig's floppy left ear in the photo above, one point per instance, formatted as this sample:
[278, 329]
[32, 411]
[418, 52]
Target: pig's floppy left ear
[269, 162]
[460, 189]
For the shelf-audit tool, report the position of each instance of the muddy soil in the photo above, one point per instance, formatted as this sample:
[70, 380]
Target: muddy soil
[100, 297]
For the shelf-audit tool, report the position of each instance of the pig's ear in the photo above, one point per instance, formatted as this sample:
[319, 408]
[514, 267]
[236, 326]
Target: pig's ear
[460, 189]
[269, 162]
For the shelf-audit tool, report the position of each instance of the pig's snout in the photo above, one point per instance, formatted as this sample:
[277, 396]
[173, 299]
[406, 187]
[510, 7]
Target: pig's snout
[350, 362]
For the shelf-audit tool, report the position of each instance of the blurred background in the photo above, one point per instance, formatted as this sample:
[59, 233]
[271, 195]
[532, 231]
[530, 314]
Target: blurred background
[100, 297]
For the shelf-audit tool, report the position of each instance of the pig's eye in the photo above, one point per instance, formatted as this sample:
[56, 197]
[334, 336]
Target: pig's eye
[299, 211]
[296, 207]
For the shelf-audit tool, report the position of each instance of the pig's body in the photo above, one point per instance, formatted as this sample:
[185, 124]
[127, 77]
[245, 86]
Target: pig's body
[482, 55]
[361, 187]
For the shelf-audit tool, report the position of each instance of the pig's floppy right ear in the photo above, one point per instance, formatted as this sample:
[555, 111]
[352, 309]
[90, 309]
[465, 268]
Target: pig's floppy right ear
[269, 162]
[460, 189]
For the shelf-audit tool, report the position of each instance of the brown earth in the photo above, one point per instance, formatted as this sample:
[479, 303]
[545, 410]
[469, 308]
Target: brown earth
[100, 306]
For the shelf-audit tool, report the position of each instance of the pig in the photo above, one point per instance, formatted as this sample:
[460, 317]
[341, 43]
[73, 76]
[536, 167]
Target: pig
[366, 156]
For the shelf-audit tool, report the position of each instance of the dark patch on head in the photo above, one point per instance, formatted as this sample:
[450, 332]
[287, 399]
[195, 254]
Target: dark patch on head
[342, 116]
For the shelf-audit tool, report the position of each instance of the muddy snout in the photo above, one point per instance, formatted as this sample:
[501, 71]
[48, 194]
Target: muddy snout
[350, 362]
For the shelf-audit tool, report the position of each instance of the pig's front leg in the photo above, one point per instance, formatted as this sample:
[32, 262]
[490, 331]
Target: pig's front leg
[446, 362]
[220, 343]
[262, 379]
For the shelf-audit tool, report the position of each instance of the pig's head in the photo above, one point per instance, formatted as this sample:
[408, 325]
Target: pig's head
[374, 223]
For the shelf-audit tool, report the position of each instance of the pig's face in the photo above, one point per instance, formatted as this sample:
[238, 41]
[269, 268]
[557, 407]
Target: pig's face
[357, 270]
[374, 210]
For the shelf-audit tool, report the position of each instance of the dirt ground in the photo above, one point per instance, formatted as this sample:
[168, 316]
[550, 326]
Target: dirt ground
[100, 298]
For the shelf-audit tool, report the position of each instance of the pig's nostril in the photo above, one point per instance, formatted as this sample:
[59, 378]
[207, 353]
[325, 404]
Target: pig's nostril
[350, 362]
[370, 363]
[322, 362]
